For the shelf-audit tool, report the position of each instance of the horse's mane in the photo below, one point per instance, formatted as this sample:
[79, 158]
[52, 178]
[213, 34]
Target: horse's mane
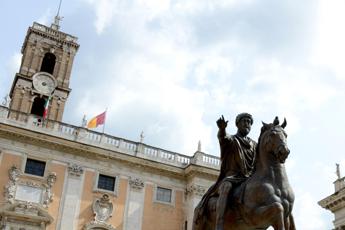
[257, 151]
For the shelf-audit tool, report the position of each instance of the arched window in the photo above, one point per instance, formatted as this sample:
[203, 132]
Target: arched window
[38, 106]
[48, 63]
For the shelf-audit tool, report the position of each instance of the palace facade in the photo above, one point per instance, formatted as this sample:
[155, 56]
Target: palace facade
[336, 202]
[61, 176]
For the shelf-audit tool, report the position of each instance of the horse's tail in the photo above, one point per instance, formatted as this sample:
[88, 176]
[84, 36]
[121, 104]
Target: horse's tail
[292, 222]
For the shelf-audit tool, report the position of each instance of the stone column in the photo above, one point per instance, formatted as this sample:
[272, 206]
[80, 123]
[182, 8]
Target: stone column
[136, 196]
[71, 197]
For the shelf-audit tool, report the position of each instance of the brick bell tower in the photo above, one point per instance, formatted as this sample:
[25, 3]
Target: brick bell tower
[44, 73]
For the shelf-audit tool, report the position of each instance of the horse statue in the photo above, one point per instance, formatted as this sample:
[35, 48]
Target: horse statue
[266, 198]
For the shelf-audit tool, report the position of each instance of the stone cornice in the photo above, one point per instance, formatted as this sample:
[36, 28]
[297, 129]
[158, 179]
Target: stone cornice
[334, 202]
[193, 170]
[52, 34]
[93, 152]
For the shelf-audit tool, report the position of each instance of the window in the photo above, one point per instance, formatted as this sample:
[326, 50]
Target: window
[163, 194]
[48, 63]
[35, 167]
[38, 106]
[106, 182]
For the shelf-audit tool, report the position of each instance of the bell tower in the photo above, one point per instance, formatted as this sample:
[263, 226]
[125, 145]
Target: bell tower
[41, 87]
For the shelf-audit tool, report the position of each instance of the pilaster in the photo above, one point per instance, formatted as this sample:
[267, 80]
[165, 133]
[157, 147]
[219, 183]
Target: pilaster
[71, 199]
[136, 196]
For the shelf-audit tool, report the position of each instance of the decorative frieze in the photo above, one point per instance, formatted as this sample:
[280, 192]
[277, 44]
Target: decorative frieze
[75, 170]
[136, 183]
[195, 189]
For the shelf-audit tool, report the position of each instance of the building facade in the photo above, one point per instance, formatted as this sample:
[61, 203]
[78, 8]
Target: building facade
[60, 176]
[336, 202]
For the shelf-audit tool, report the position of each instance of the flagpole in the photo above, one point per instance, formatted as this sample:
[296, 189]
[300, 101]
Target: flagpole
[105, 117]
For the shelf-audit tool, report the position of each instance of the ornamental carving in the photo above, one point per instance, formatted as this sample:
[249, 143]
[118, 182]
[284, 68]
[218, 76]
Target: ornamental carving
[96, 225]
[102, 209]
[10, 188]
[136, 183]
[48, 194]
[41, 193]
[24, 213]
[195, 189]
[75, 170]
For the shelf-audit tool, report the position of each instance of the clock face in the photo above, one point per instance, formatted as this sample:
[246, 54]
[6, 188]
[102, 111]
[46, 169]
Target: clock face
[44, 83]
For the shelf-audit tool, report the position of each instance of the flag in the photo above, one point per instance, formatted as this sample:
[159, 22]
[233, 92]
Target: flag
[98, 120]
[46, 105]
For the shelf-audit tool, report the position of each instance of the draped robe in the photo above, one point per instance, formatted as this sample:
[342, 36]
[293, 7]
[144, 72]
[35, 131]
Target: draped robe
[237, 164]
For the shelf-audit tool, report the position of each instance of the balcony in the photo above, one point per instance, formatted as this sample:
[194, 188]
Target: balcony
[104, 141]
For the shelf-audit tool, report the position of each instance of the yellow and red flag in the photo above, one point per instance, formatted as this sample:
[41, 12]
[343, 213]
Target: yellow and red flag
[96, 121]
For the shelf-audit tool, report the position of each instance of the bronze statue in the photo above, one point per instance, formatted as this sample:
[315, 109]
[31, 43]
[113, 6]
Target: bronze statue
[264, 199]
[237, 154]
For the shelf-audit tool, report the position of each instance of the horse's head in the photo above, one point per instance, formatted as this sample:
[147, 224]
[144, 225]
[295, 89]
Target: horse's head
[273, 139]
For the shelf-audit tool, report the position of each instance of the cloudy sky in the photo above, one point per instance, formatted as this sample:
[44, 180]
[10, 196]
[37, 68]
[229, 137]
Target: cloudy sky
[170, 68]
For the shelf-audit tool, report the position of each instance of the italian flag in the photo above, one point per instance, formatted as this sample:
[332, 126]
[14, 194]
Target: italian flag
[46, 105]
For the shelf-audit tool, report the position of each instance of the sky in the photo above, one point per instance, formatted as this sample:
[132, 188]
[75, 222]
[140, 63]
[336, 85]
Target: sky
[171, 68]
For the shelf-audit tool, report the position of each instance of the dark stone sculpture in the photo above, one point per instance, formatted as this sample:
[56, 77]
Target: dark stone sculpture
[243, 197]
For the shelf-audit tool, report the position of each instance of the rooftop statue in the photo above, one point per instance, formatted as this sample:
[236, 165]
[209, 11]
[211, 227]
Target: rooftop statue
[252, 190]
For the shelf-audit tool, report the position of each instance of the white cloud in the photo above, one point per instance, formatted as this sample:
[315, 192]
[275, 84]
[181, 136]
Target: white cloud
[289, 90]
[308, 215]
[14, 63]
[104, 14]
[46, 18]
[329, 46]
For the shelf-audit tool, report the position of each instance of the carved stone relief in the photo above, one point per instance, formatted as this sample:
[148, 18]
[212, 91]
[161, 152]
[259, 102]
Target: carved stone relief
[94, 225]
[136, 183]
[29, 191]
[22, 214]
[48, 195]
[102, 209]
[195, 189]
[75, 170]
[10, 188]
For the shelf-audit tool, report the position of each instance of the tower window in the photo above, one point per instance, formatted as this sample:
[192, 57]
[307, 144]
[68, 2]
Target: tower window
[35, 167]
[48, 63]
[38, 106]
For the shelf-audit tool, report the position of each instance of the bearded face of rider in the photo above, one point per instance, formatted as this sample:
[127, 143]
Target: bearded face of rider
[243, 126]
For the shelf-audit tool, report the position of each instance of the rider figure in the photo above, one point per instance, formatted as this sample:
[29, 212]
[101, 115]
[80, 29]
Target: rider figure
[237, 154]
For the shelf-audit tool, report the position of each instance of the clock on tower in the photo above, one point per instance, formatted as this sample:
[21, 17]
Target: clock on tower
[44, 72]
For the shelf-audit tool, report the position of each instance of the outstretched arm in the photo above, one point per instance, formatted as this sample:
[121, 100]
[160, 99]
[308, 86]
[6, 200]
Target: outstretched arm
[221, 123]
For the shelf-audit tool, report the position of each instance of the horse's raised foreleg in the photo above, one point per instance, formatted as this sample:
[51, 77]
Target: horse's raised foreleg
[272, 214]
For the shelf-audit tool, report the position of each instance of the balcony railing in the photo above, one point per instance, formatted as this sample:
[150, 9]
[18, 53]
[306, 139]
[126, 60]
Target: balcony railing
[116, 144]
[55, 33]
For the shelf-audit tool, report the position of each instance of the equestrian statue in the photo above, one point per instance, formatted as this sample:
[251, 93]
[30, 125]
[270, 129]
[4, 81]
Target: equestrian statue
[252, 191]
